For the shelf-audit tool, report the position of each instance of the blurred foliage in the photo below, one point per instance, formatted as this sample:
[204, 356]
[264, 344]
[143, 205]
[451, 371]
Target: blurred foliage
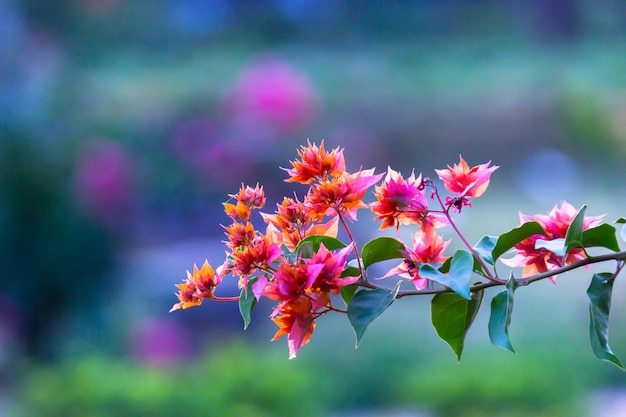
[235, 381]
[52, 259]
[241, 380]
[587, 121]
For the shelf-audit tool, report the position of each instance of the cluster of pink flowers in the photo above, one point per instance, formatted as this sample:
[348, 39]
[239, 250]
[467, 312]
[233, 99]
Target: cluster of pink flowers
[269, 263]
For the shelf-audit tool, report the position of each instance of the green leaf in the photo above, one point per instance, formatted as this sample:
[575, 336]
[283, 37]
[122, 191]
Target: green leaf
[366, 305]
[599, 293]
[501, 310]
[514, 236]
[445, 266]
[603, 236]
[381, 249]
[574, 234]
[305, 250]
[247, 301]
[314, 241]
[350, 271]
[459, 276]
[452, 317]
[622, 233]
[347, 292]
[485, 247]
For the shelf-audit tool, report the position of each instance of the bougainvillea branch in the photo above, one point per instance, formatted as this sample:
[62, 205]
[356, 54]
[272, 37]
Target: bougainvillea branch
[299, 263]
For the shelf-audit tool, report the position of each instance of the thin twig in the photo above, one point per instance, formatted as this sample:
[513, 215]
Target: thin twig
[446, 212]
[355, 246]
[620, 257]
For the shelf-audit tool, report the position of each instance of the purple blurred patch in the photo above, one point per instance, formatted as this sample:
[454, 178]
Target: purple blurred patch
[103, 181]
[160, 343]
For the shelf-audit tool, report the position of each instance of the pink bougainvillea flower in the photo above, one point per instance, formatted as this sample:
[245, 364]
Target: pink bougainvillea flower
[259, 254]
[297, 322]
[399, 201]
[558, 220]
[316, 163]
[555, 225]
[324, 270]
[343, 194]
[299, 302]
[251, 197]
[293, 221]
[239, 234]
[290, 214]
[199, 285]
[303, 287]
[288, 284]
[465, 181]
[428, 247]
[247, 198]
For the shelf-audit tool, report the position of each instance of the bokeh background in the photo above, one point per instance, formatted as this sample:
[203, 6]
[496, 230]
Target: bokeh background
[124, 124]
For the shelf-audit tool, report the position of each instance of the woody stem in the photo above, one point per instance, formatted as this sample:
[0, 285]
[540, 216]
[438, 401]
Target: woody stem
[619, 257]
[356, 248]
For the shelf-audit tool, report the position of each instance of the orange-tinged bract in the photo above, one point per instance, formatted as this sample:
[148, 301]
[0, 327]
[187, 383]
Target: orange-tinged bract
[259, 254]
[248, 198]
[341, 195]
[297, 325]
[293, 221]
[237, 211]
[239, 235]
[465, 181]
[303, 288]
[198, 286]
[251, 197]
[316, 163]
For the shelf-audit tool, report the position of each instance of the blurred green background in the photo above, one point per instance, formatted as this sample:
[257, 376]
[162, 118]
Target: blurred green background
[125, 123]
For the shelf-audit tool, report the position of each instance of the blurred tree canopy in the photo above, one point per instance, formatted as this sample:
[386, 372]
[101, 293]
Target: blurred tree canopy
[52, 259]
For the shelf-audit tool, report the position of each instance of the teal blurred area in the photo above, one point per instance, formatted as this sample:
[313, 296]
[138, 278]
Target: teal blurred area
[125, 124]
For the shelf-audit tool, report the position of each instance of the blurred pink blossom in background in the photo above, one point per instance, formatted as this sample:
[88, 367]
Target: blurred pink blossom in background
[160, 343]
[103, 180]
[270, 94]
